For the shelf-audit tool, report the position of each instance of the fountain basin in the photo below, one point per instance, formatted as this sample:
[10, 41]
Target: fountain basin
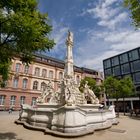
[76, 120]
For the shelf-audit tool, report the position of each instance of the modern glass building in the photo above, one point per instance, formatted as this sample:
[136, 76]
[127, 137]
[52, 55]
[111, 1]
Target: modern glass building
[124, 64]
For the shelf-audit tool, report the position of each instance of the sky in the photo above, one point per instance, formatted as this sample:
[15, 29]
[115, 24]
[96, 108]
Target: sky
[101, 28]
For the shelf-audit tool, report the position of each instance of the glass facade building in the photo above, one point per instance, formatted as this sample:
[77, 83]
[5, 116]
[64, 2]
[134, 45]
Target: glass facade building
[125, 64]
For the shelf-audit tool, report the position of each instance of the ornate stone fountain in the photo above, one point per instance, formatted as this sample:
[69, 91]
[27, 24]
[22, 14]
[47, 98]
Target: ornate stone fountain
[67, 113]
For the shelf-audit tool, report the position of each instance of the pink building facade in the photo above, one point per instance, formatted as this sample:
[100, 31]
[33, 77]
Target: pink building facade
[26, 83]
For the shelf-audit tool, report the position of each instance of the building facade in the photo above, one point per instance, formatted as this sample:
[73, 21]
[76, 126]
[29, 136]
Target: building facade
[125, 64]
[26, 83]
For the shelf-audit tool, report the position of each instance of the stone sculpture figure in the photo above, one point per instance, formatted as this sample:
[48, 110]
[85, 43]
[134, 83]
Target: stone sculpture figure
[68, 91]
[41, 98]
[70, 37]
[48, 92]
[90, 93]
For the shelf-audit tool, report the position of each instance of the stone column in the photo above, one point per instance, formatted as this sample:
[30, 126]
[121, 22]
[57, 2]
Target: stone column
[69, 56]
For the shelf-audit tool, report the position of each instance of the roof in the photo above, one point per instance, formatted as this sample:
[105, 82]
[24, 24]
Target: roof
[60, 63]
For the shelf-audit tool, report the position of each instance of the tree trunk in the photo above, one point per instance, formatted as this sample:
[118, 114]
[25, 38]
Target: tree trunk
[108, 101]
[107, 97]
[139, 100]
[117, 108]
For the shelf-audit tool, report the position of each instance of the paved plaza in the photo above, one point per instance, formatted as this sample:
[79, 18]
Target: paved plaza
[127, 129]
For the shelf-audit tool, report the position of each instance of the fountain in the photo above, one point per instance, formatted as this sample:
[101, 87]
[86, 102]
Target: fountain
[67, 113]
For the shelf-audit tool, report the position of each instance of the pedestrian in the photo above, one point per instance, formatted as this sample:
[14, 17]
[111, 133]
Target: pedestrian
[10, 110]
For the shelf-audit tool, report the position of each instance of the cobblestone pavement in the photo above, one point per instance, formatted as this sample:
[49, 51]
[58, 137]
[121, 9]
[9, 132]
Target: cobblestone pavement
[127, 129]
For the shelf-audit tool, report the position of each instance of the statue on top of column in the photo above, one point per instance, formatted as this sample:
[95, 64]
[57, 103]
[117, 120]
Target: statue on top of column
[70, 37]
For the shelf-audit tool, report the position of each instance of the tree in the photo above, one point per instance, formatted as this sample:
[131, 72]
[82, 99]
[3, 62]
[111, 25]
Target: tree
[109, 84]
[119, 88]
[23, 31]
[134, 7]
[112, 89]
[126, 89]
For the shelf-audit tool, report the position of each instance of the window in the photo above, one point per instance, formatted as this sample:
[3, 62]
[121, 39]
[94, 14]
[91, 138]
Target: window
[115, 61]
[26, 69]
[116, 71]
[15, 83]
[37, 72]
[43, 86]
[125, 68]
[136, 77]
[51, 74]
[44, 72]
[107, 63]
[108, 72]
[133, 55]
[12, 100]
[2, 99]
[35, 85]
[24, 84]
[33, 101]
[123, 58]
[22, 100]
[60, 75]
[17, 67]
[135, 66]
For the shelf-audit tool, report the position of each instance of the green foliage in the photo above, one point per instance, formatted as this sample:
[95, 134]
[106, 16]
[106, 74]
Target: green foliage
[4, 70]
[23, 31]
[126, 87]
[97, 90]
[134, 7]
[111, 87]
[118, 88]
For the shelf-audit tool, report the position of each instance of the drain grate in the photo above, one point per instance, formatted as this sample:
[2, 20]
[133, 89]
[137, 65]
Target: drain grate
[117, 130]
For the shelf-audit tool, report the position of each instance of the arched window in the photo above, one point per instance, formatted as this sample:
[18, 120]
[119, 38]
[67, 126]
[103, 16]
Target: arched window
[26, 69]
[44, 71]
[60, 75]
[22, 100]
[37, 71]
[35, 85]
[12, 100]
[51, 74]
[17, 69]
[43, 86]
[2, 99]
[24, 83]
[15, 82]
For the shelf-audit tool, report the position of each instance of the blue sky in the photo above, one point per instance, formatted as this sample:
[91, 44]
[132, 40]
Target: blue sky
[101, 28]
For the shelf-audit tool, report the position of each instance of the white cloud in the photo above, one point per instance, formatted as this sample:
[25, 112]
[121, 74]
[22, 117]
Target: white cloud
[108, 2]
[115, 43]
[100, 43]
[111, 24]
[116, 36]
[59, 35]
[113, 39]
[108, 16]
[130, 41]
[123, 41]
